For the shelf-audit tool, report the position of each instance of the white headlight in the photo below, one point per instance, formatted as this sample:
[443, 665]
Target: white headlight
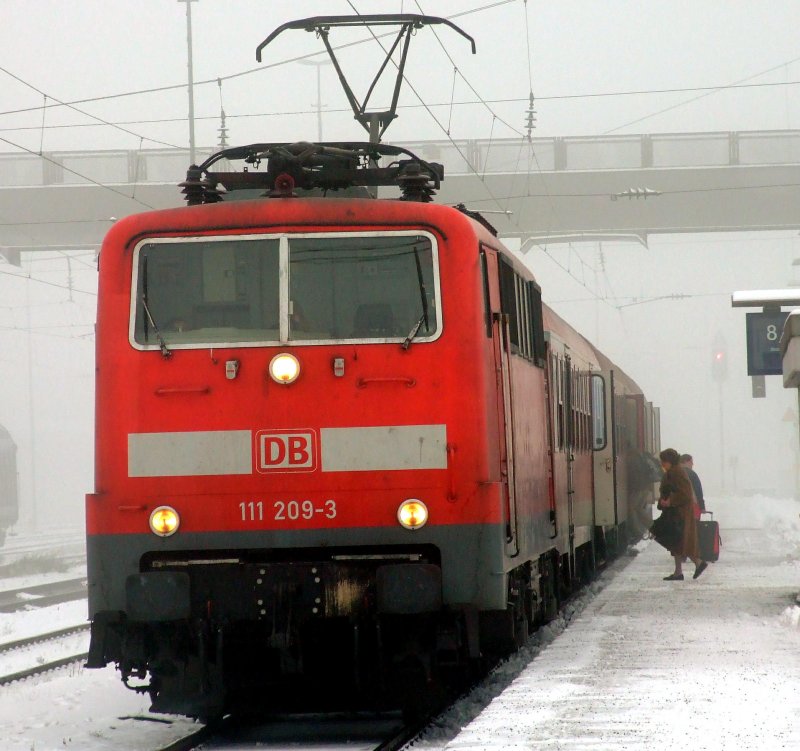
[284, 368]
[412, 514]
[164, 521]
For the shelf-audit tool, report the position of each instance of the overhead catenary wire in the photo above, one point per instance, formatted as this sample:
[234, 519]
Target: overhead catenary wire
[677, 191]
[450, 104]
[532, 154]
[484, 102]
[452, 97]
[41, 137]
[708, 92]
[44, 331]
[493, 199]
[461, 103]
[76, 109]
[473, 168]
[232, 76]
[531, 112]
[76, 173]
[29, 278]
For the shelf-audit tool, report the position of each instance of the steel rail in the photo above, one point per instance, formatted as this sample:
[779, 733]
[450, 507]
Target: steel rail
[52, 593]
[44, 668]
[49, 636]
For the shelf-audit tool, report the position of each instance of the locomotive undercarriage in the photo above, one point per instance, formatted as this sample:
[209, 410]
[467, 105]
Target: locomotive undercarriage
[379, 663]
[332, 631]
[204, 637]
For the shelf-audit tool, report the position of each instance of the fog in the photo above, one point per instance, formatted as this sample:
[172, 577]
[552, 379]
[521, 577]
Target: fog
[594, 68]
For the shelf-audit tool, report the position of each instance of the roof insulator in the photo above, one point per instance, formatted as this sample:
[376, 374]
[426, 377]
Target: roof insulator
[284, 187]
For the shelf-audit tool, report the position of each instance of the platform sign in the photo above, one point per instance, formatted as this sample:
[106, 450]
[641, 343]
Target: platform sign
[764, 343]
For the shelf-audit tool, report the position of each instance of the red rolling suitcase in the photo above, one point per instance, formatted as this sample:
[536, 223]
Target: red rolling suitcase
[708, 538]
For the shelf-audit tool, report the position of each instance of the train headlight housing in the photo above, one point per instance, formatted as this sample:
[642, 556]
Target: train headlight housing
[412, 514]
[164, 521]
[284, 368]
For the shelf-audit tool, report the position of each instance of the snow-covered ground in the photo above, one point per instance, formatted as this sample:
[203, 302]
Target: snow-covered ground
[646, 664]
[643, 664]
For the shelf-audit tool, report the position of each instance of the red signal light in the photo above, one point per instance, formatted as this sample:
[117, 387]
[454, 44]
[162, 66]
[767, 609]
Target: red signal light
[719, 365]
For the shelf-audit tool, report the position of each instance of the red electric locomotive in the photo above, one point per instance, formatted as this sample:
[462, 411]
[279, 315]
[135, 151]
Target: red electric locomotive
[343, 450]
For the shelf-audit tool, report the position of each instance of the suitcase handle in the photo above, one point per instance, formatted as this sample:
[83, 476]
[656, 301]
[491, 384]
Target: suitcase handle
[710, 513]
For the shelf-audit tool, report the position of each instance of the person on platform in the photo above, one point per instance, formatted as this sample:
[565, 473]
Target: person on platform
[677, 494]
[688, 464]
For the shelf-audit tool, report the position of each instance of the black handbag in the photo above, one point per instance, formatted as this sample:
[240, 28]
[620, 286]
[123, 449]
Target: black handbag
[667, 529]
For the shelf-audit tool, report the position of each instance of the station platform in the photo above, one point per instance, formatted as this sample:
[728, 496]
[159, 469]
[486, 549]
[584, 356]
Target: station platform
[705, 664]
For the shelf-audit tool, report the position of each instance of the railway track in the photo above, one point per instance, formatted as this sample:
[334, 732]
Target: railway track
[42, 595]
[20, 661]
[379, 733]
[43, 543]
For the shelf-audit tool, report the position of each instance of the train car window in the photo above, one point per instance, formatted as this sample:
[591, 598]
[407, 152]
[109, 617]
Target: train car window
[197, 292]
[555, 401]
[487, 306]
[209, 292]
[520, 313]
[523, 309]
[563, 426]
[537, 324]
[574, 384]
[579, 442]
[522, 301]
[361, 287]
[599, 435]
[586, 411]
[508, 301]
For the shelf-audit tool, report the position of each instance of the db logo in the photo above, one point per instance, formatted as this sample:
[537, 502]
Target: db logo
[286, 451]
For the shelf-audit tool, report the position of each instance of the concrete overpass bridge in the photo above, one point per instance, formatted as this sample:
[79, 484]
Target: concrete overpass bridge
[551, 188]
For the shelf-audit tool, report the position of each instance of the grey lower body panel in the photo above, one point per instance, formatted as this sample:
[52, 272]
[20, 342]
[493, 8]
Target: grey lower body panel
[472, 557]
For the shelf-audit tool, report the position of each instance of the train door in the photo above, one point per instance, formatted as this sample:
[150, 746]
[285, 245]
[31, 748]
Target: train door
[605, 470]
[624, 432]
[570, 449]
[505, 414]
[656, 431]
[561, 483]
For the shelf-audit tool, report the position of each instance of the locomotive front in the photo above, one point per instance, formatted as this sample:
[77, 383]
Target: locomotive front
[293, 485]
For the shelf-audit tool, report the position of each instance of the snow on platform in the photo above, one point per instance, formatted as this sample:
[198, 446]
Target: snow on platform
[649, 664]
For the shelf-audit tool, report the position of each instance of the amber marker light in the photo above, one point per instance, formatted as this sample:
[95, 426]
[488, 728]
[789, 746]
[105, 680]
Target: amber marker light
[412, 514]
[164, 521]
[284, 368]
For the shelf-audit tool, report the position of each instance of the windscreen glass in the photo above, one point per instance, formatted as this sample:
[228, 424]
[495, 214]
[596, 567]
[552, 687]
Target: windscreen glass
[361, 287]
[208, 292]
[311, 289]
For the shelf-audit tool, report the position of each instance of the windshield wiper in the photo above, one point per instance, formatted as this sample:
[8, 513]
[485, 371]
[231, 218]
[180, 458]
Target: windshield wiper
[165, 351]
[423, 298]
[422, 291]
[411, 334]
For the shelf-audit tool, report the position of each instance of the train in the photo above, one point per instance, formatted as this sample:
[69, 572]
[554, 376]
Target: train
[345, 455]
[9, 494]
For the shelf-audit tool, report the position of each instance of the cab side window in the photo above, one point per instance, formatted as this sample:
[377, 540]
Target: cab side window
[521, 300]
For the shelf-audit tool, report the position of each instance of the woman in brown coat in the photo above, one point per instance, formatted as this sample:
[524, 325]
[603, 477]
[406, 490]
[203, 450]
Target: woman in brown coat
[677, 493]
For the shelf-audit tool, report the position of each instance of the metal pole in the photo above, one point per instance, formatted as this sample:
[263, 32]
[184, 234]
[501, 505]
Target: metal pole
[318, 64]
[797, 456]
[33, 513]
[721, 441]
[319, 106]
[191, 76]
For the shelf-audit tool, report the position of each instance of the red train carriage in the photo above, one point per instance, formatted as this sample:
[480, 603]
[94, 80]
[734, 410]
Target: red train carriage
[625, 464]
[335, 444]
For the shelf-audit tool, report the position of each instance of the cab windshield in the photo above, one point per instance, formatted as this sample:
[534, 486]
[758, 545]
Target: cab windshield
[317, 288]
